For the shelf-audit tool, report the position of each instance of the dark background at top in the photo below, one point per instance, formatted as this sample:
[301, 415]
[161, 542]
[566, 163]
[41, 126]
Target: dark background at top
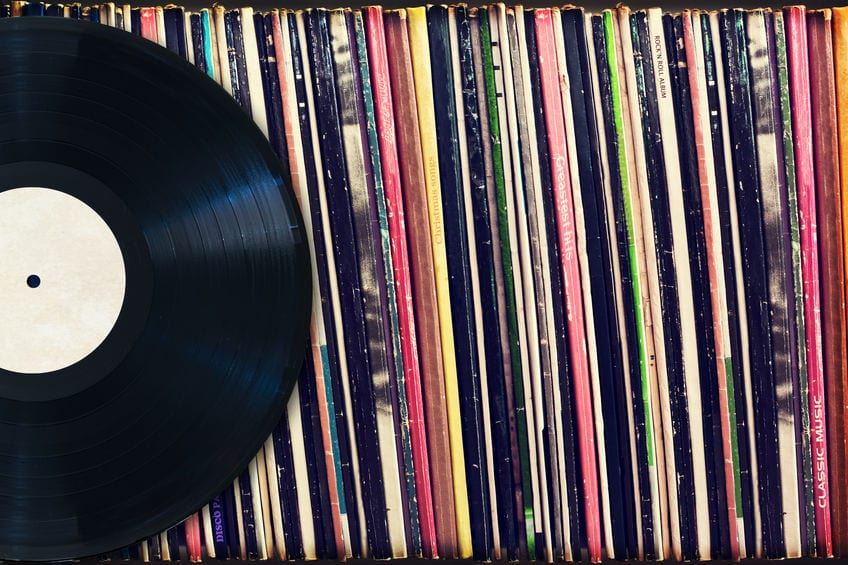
[592, 5]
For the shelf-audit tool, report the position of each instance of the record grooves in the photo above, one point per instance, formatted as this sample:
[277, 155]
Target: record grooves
[214, 314]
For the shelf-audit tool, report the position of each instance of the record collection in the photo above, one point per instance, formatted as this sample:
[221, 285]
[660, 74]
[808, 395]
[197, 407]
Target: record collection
[578, 280]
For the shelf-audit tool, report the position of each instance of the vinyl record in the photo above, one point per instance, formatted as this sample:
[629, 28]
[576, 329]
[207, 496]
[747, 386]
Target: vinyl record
[155, 289]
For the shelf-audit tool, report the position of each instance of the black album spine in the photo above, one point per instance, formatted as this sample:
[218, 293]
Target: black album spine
[679, 69]
[289, 509]
[476, 116]
[719, 133]
[316, 471]
[676, 420]
[263, 23]
[755, 279]
[595, 216]
[175, 37]
[625, 322]
[198, 42]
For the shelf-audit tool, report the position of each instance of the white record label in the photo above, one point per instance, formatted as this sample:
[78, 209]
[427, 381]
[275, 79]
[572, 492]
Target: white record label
[62, 280]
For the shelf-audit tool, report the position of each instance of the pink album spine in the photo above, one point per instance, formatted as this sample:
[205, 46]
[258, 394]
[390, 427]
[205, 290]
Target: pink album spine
[799, 85]
[192, 527]
[551, 98]
[299, 181]
[149, 29]
[376, 40]
[698, 110]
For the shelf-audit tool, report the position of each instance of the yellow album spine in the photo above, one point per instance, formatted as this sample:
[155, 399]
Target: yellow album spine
[419, 48]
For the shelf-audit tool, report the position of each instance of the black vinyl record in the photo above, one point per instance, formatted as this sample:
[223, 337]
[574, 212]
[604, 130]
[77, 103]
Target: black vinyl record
[192, 377]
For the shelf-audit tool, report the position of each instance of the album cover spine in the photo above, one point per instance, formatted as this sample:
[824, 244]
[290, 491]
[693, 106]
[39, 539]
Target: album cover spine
[219, 32]
[253, 72]
[840, 50]
[356, 333]
[465, 102]
[832, 272]
[726, 446]
[359, 179]
[804, 471]
[304, 158]
[174, 19]
[421, 65]
[498, 360]
[148, 24]
[550, 66]
[410, 380]
[510, 207]
[543, 394]
[265, 39]
[386, 285]
[644, 131]
[292, 541]
[456, 247]
[210, 45]
[505, 274]
[802, 127]
[643, 266]
[422, 269]
[197, 42]
[630, 413]
[315, 470]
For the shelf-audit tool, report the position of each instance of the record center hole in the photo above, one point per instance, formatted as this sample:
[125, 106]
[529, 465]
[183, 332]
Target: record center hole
[33, 281]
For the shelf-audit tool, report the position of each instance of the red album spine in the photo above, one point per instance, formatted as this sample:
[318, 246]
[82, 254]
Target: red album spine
[192, 527]
[799, 86]
[550, 78]
[831, 273]
[149, 29]
[376, 40]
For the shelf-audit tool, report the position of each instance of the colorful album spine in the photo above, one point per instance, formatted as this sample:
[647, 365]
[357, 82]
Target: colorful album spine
[459, 278]
[422, 270]
[802, 409]
[570, 269]
[319, 348]
[620, 424]
[652, 538]
[411, 378]
[840, 52]
[419, 50]
[693, 40]
[210, 54]
[831, 269]
[594, 253]
[802, 127]
[509, 195]
[636, 83]
[504, 256]
[544, 397]
[378, 204]
[148, 24]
